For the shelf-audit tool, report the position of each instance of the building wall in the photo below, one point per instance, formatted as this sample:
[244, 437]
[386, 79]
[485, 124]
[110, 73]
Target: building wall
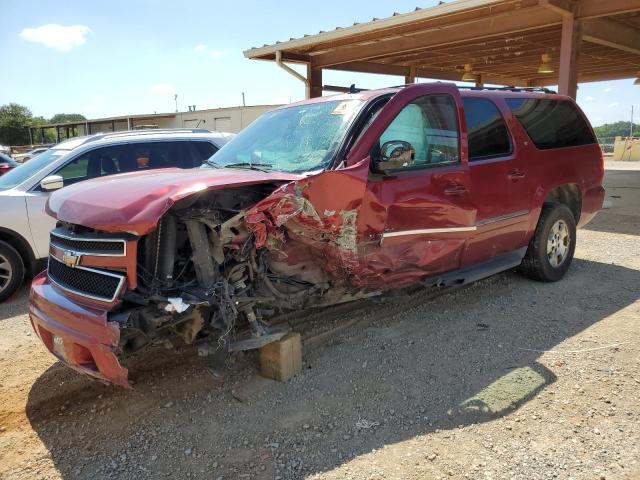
[230, 120]
[626, 149]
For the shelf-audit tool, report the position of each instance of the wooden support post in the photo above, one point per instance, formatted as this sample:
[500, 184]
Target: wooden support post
[571, 40]
[282, 360]
[58, 134]
[113, 125]
[411, 76]
[314, 75]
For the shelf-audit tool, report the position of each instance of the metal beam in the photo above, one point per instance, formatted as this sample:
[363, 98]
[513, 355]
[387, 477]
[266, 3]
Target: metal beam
[436, 74]
[589, 77]
[603, 8]
[612, 34]
[314, 76]
[561, 7]
[569, 56]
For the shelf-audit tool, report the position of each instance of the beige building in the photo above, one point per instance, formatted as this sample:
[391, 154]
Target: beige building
[230, 119]
[626, 149]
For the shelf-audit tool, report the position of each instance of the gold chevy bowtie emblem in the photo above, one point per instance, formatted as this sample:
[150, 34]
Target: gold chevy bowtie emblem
[70, 259]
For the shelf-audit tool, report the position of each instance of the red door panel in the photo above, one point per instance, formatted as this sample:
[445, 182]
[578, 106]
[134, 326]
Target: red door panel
[418, 220]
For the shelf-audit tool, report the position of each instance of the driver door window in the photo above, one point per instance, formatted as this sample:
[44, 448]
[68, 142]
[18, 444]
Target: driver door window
[423, 134]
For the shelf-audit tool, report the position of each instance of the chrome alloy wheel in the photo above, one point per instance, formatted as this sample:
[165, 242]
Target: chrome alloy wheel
[558, 243]
[5, 272]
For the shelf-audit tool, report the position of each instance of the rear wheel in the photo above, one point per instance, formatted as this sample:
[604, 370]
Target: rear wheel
[11, 270]
[551, 249]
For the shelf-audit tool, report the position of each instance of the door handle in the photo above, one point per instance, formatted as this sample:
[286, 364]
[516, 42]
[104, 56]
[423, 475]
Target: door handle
[516, 175]
[455, 190]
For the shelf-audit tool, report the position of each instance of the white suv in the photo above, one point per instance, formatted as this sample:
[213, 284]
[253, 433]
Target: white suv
[24, 225]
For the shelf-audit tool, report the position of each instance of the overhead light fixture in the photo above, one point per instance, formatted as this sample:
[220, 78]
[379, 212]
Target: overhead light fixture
[545, 66]
[468, 75]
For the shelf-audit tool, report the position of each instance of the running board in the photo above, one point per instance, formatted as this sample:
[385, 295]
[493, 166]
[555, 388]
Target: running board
[482, 270]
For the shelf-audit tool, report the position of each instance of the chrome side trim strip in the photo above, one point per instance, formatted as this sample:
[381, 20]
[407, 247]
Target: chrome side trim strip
[508, 216]
[93, 270]
[424, 231]
[90, 239]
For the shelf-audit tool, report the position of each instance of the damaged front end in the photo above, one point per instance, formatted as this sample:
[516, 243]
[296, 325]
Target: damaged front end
[216, 272]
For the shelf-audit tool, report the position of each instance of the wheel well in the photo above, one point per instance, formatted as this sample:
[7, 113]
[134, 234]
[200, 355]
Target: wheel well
[18, 242]
[568, 195]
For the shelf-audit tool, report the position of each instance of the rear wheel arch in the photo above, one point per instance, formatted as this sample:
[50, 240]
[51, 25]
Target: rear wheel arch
[568, 194]
[21, 245]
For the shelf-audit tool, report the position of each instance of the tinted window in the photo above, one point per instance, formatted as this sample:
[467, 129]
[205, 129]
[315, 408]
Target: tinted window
[127, 158]
[487, 133]
[430, 125]
[551, 123]
[204, 150]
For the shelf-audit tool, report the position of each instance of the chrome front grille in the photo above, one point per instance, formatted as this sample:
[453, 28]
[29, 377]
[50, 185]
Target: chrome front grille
[88, 282]
[89, 245]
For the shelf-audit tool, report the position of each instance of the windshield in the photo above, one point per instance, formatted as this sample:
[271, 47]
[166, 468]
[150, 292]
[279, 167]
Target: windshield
[295, 139]
[28, 169]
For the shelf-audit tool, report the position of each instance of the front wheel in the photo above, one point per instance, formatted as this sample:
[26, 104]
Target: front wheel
[551, 249]
[11, 270]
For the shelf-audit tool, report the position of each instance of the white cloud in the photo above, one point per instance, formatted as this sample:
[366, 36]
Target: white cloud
[58, 37]
[607, 90]
[589, 99]
[614, 104]
[201, 48]
[163, 89]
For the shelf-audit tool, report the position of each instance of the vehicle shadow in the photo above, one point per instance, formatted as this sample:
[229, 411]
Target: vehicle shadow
[16, 304]
[407, 368]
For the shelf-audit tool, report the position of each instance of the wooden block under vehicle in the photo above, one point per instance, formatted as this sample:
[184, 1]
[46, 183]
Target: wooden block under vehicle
[281, 360]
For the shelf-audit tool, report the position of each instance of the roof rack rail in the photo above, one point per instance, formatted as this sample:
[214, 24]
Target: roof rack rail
[159, 130]
[148, 131]
[510, 89]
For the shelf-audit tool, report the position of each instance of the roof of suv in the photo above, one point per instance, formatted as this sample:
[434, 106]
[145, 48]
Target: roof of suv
[154, 134]
[500, 92]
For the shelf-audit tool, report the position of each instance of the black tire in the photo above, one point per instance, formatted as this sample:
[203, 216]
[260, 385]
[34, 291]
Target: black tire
[11, 266]
[537, 263]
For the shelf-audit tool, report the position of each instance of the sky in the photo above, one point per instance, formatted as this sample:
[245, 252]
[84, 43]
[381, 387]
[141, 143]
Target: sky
[130, 57]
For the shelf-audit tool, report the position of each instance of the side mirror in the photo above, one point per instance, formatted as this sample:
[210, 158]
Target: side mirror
[395, 154]
[52, 182]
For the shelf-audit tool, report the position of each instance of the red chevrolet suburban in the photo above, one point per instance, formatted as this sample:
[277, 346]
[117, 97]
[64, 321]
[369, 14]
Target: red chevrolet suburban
[316, 203]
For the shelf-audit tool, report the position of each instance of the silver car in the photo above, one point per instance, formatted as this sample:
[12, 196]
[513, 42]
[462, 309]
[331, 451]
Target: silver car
[24, 225]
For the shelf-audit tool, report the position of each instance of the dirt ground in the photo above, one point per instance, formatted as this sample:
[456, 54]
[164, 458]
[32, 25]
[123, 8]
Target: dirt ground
[507, 378]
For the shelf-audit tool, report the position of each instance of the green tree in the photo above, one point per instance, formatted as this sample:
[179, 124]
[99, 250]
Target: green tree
[617, 129]
[14, 122]
[67, 117]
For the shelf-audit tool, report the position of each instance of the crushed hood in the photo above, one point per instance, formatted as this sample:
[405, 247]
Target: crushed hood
[134, 202]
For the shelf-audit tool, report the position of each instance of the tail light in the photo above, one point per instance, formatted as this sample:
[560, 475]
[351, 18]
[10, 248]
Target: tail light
[5, 168]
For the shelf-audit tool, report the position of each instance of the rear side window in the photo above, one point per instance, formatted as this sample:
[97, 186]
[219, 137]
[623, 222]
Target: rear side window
[551, 123]
[204, 150]
[487, 133]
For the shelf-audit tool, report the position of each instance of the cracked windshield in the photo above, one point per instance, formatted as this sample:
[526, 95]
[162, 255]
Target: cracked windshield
[295, 139]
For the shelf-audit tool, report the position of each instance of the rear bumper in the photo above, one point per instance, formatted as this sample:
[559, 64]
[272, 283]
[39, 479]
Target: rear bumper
[592, 200]
[80, 336]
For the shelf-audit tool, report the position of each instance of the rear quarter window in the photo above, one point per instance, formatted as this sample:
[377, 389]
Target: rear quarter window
[551, 123]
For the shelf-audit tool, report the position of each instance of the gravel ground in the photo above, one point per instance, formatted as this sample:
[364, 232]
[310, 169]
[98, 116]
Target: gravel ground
[507, 378]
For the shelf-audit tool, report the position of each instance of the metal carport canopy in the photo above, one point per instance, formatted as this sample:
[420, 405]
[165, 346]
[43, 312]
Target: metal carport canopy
[500, 41]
